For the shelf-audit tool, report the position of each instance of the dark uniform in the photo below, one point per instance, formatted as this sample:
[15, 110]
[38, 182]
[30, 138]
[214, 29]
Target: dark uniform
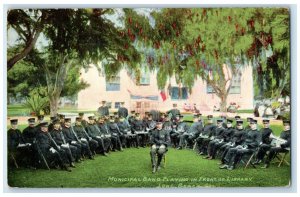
[29, 134]
[105, 135]
[192, 133]
[85, 138]
[266, 142]
[73, 142]
[103, 110]
[95, 134]
[139, 128]
[115, 135]
[205, 135]
[174, 112]
[252, 139]
[181, 128]
[49, 150]
[123, 112]
[159, 141]
[125, 129]
[220, 140]
[285, 135]
[18, 149]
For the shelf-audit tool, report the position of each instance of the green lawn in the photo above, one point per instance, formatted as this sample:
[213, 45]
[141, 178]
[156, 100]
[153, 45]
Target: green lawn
[17, 110]
[132, 168]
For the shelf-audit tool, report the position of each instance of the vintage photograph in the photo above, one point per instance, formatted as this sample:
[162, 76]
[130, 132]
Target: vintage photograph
[148, 97]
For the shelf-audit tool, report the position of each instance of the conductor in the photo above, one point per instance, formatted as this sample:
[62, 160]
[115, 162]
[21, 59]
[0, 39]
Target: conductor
[159, 141]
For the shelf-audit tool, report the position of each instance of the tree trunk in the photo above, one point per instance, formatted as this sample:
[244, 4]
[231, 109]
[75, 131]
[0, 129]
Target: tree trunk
[223, 104]
[54, 99]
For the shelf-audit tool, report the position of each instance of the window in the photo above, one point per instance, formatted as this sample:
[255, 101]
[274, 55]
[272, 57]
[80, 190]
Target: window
[145, 76]
[209, 89]
[179, 93]
[117, 105]
[113, 83]
[138, 104]
[236, 84]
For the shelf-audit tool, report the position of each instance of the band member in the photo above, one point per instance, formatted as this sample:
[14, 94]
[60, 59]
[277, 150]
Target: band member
[95, 134]
[251, 142]
[131, 118]
[266, 132]
[49, 150]
[174, 112]
[103, 109]
[122, 111]
[18, 149]
[205, 135]
[115, 134]
[286, 136]
[221, 139]
[126, 132]
[168, 124]
[235, 140]
[59, 138]
[159, 141]
[29, 132]
[181, 128]
[139, 128]
[192, 133]
[150, 124]
[82, 121]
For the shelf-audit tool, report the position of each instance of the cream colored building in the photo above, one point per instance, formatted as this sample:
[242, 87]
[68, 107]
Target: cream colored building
[146, 95]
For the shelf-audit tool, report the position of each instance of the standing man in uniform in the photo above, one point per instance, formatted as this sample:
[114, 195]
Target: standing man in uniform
[122, 111]
[174, 111]
[103, 109]
[159, 141]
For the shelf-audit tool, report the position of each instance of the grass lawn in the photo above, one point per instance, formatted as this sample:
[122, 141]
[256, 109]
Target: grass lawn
[132, 168]
[246, 111]
[17, 110]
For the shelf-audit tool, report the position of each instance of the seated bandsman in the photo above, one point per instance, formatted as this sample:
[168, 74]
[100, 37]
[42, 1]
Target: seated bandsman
[220, 140]
[251, 141]
[192, 133]
[159, 141]
[214, 135]
[139, 129]
[181, 128]
[62, 119]
[49, 151]
[235, 140]
[115, 134]
[265, 145]
[105, 133]
[168, 124]
[52, 118]
[95, 134]
[72, 139]
[285, 138]
[18, 149]
[125, 129]
[29, 132]
[83, 138]
[83, 121]
[205, 135]
[150, 124]
[131, 117]
[59, 139]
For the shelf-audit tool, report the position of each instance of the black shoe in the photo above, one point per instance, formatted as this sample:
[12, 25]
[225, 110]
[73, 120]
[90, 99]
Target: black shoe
[153, 169]
[67, 169]
[179, 148]
[91, 158]
[105, 154]
[201, 153]
[224, 167]
[265, 166]
[72, 165]
[230, 168]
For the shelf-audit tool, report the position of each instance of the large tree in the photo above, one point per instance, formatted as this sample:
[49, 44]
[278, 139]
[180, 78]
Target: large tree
[76, 38]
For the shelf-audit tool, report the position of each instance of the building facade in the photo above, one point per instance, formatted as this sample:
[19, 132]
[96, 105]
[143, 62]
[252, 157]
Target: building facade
[144, 94]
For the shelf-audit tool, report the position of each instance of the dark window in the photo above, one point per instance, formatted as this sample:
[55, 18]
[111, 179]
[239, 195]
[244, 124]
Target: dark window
[179, 93]
[209, 89]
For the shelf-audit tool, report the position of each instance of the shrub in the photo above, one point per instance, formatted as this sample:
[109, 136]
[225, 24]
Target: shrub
[37, 104]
